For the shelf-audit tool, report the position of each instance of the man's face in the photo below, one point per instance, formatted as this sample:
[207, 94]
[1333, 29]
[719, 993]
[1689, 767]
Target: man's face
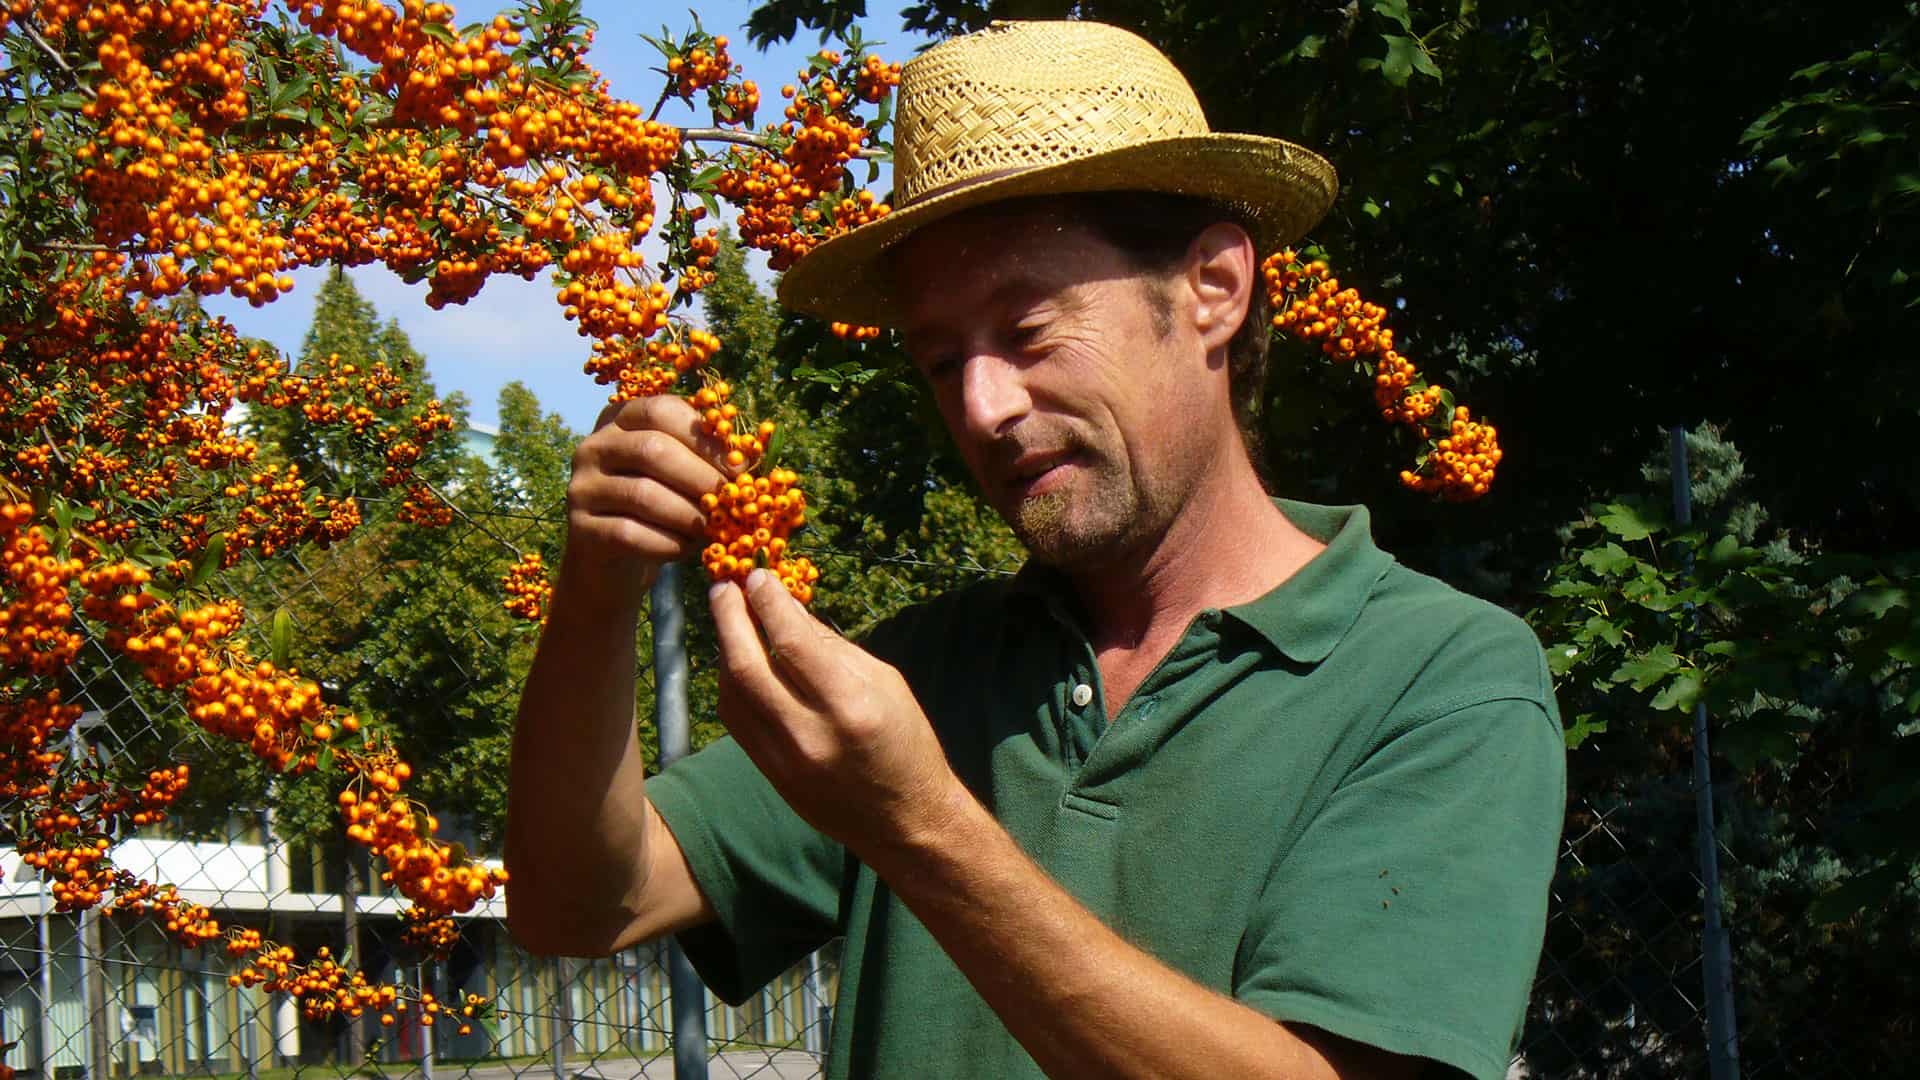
[1085, 419]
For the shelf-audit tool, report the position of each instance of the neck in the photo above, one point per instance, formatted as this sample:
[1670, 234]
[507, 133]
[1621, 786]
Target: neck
[1228, 544]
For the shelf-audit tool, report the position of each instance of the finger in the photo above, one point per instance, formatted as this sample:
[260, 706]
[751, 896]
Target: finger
[648, 541]
[742, 658]
[677, 417]
[659, 455]
[804, 645]
[642, 499]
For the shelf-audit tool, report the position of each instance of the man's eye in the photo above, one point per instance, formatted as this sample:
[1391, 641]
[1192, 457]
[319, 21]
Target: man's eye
[1025, 334]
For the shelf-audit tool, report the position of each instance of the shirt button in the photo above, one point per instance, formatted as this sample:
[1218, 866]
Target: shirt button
[1082, 696]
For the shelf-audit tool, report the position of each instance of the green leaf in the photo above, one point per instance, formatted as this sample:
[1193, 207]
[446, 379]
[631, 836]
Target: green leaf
[1628, 522]
[775, 446]
[1397, 66]
[1562, 658]
[1649, 668]
[1680, 693]
[1857, 893]
[209, 561]
[1599, 626]
[1370, 208]
[1876, 602]
[1397, 11]
[1650, 592]
[1585, 726]
[323, 761]
[282, 637]
[1308, 49]
[1611, 560]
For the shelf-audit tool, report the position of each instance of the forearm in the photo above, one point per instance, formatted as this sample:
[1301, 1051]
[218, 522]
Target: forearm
[1078, 997]
[576, 822]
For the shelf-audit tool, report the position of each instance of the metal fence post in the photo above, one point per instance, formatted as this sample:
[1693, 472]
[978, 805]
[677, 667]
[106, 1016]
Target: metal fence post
[250, 1033]
[668, 620]
[45, 1018]
[423, 974]
[815, 1012]
[560, 1020]
[1716, 953]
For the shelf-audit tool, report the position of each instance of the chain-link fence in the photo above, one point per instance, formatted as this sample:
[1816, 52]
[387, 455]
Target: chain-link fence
[409, 628]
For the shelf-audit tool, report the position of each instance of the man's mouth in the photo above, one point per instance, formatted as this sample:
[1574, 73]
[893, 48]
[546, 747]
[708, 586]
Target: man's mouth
[1035, 474]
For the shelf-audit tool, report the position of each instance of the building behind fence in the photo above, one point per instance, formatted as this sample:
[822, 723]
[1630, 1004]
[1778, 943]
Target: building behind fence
[1619, 990]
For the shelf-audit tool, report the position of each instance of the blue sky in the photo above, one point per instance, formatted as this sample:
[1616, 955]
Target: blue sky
[513, 329]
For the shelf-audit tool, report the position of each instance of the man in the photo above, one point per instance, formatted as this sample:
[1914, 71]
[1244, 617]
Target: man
[1211, 788]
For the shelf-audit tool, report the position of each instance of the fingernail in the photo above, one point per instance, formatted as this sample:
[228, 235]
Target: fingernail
[714, 591]
[758, 579]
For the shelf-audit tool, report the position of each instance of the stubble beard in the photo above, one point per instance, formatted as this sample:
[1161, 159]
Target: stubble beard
[1104, 521]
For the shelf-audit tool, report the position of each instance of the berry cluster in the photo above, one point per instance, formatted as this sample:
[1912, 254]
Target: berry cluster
[438, 878]
[435, 935]
[326, 988]
[528, 588]
[36, 619]
[751, 518]
[700, 68]
[778, 188]
[876, 80]
[1311, 306]
[192, 925]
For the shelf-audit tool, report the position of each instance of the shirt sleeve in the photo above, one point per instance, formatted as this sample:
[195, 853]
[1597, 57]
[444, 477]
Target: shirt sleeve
[1410, 913]
[773, 880]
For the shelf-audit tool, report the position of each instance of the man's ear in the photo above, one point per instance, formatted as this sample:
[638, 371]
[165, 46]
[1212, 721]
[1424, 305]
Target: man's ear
[1221, 267]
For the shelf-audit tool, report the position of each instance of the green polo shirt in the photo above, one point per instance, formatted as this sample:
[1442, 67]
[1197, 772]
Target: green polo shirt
[1339, 804]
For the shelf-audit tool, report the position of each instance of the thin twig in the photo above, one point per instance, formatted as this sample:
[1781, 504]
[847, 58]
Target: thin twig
[57, 455]
[742, 138]
[33, 35]
[464, 516]
[665, 93]
[85, 249]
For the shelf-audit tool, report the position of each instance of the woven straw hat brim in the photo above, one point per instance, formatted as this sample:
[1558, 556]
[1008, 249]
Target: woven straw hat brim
[1281, 189]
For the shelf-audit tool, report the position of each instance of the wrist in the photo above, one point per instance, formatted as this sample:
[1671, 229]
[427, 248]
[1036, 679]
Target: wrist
[603, 587]
[932, 841]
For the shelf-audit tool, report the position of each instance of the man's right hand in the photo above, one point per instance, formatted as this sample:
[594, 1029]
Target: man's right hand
[594, 867]
[633, 504]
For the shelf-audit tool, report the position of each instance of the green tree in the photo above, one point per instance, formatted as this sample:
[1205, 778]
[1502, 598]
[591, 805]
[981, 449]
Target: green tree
[534, 452]
[347, 330]
[1593, 221]
[1807, 664]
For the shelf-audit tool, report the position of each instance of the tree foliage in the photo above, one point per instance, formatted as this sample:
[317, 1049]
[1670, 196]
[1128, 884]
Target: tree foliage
[1596, 221]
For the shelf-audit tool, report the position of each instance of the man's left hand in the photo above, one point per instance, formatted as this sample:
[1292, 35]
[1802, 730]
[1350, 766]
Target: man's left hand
[836, 731]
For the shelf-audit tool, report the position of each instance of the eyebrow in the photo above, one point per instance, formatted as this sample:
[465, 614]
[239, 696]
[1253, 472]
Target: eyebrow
[1021, 283]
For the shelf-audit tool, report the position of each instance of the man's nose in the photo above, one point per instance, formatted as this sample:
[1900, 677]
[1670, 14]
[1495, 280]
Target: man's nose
[993, 394]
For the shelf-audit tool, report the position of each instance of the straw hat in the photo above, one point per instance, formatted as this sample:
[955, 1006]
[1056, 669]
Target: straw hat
[1038, 108]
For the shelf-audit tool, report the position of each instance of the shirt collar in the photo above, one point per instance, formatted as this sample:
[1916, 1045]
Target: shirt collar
[1306, 615]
